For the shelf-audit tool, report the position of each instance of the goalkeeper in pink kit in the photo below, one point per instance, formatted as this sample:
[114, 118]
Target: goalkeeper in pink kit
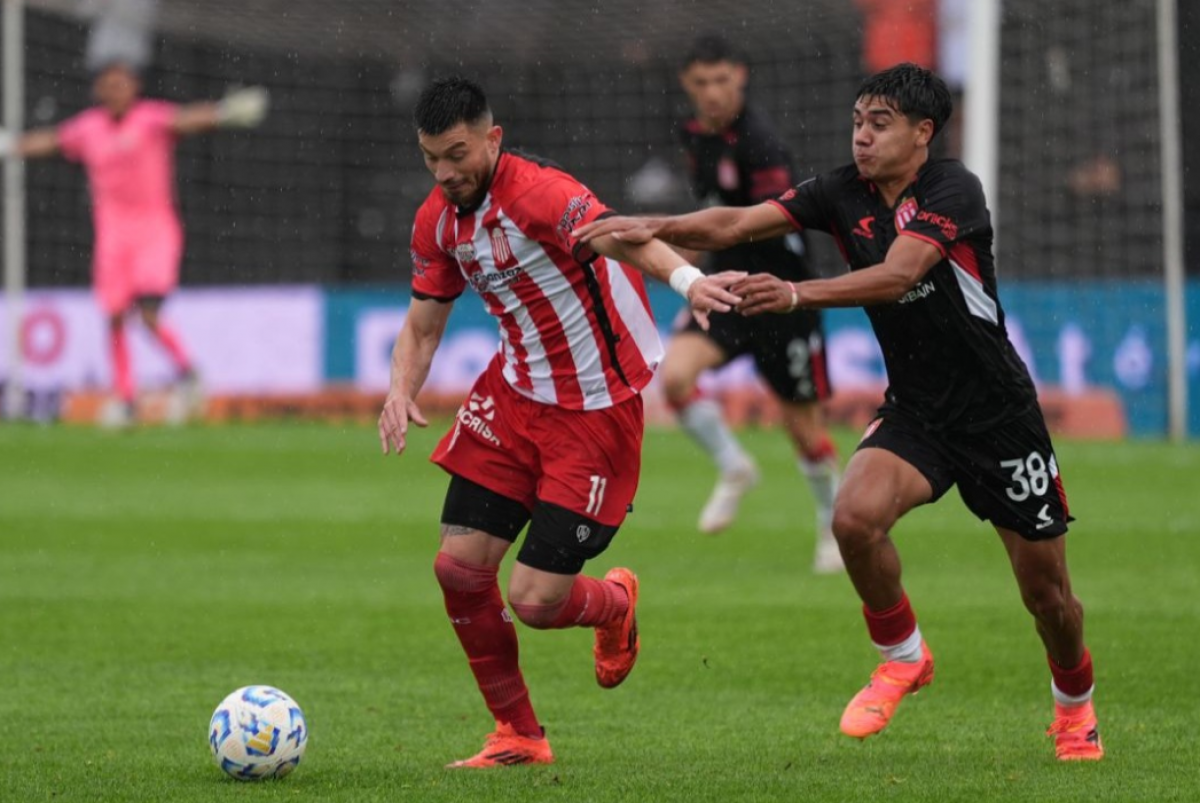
[127, 146]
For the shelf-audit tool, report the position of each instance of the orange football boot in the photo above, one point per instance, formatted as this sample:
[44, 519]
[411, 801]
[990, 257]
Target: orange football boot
[617, 642]
[872, 708]
[505, 747]
[1076, 737]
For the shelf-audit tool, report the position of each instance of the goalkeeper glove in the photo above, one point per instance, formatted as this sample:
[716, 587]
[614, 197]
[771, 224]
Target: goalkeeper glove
[243, 108]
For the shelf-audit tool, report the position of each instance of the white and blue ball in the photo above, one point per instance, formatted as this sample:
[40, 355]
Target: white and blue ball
[257, 732]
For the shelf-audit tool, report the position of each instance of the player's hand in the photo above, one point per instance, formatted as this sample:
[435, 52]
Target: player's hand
[633, 230]
[398, 411]
[712, 294]
[243, 108]
[763, 292]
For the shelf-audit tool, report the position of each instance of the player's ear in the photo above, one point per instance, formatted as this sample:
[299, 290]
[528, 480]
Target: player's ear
[925, 132]
[741, 75]
[494, 136]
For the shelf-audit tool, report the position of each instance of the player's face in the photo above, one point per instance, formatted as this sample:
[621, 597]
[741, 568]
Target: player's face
[717, 91]
[462, 159]
[887, 144]
[116, 89]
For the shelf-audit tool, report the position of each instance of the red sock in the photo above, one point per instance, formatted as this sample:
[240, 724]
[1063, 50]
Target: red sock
[122, 374]
[489, 639]
[590, 603]
[679, 408]
[174, 346]
[1073, 682]
[822, 450]
[893, 625]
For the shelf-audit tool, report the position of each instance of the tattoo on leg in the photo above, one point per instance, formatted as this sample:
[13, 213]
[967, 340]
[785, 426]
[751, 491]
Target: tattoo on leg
[456, 529]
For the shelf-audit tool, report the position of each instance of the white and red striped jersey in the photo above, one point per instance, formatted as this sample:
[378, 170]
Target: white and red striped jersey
[575, 328]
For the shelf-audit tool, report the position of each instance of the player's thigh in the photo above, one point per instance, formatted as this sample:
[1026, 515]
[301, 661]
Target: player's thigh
[689, 354]
[488, 443]
[1009, 476]
[789, 352]
[478, 524]
[112, 276]
[590, 459]
[895, 468]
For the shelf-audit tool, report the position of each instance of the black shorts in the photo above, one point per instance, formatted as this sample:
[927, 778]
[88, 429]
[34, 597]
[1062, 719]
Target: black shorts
[789, 350]
[559, 540]
[1007, 475]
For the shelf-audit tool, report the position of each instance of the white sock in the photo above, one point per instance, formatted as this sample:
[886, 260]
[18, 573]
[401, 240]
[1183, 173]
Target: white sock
[702, 420]
[908, 651]
[823, 479]
[1062, 698]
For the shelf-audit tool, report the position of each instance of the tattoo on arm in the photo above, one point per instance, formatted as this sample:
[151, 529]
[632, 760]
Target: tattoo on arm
[456, 529]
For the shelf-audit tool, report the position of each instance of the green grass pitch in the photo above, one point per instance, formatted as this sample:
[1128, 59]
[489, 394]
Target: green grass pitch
[145, 575]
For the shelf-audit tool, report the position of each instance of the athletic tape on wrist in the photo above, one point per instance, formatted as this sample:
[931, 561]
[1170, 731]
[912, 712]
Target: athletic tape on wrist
[683, 277]
[795, 297]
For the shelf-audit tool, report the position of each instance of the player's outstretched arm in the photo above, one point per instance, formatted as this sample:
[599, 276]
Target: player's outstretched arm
[411, 358]
[907, 261]
[655, 258]
[241, 108]
[37, 144]
[713, 229]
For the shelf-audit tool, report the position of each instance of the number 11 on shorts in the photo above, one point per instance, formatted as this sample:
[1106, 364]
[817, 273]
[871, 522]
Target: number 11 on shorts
[596, 494]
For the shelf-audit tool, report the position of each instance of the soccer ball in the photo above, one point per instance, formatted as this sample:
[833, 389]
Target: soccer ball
[257, 732]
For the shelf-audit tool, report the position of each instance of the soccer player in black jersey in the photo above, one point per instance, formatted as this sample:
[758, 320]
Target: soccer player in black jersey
[960, 407]
[736, 159]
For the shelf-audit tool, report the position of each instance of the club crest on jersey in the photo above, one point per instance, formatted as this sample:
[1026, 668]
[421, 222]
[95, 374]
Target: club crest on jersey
[727, 174]
[905, 213]
[465, 253]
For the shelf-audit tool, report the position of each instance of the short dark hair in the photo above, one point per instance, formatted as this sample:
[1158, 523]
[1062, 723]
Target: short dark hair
[449, 101]
[917, 93]
[711, 49]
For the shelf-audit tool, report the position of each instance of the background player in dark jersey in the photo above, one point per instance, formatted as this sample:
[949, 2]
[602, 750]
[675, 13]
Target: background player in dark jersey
[736, 159]
[960, 407]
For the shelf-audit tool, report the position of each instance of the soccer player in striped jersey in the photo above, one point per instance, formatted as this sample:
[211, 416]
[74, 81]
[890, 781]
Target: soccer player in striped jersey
[960, 408]
[551, 433]
[126, 143]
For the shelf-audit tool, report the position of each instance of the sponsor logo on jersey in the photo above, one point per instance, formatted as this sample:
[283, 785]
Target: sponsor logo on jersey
[917, 293]
[420, 264]
[572, 216]
[494, 280]
[905, 213]
[949, 227]
[727, 174]
[475, 414]
[863, 229]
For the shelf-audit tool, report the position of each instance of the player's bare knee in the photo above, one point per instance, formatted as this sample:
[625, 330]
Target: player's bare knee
[855, 526]
[678, 387]
[1050, 603]
[539, 616]
[462, 577]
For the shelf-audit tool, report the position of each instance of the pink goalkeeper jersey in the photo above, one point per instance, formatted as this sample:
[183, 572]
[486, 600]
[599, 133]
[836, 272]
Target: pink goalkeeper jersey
[130, 162]
[575, 328]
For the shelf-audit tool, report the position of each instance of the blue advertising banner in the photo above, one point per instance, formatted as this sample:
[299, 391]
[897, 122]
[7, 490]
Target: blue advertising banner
[1073, 335]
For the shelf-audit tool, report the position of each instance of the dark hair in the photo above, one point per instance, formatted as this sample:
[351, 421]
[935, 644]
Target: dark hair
[711, 49]
[917, 93]
[447, 102]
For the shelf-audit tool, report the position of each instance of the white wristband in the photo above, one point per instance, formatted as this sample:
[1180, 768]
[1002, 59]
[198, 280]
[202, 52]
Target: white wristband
[683, 277]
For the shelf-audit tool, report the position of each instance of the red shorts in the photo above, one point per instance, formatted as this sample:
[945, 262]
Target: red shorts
[586, 461]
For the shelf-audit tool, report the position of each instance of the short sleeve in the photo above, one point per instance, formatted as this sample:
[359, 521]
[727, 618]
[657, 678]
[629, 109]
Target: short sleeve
[159, 116]
[950, 205]
[435, 274]
[72, 136]
[805, 205]
[569, 205]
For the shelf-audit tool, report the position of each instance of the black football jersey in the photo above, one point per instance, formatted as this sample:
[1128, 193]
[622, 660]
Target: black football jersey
[744, 165]
[949, 360]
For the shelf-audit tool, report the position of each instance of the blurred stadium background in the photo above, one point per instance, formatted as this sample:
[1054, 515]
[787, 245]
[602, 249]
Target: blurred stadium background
[296, 263]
